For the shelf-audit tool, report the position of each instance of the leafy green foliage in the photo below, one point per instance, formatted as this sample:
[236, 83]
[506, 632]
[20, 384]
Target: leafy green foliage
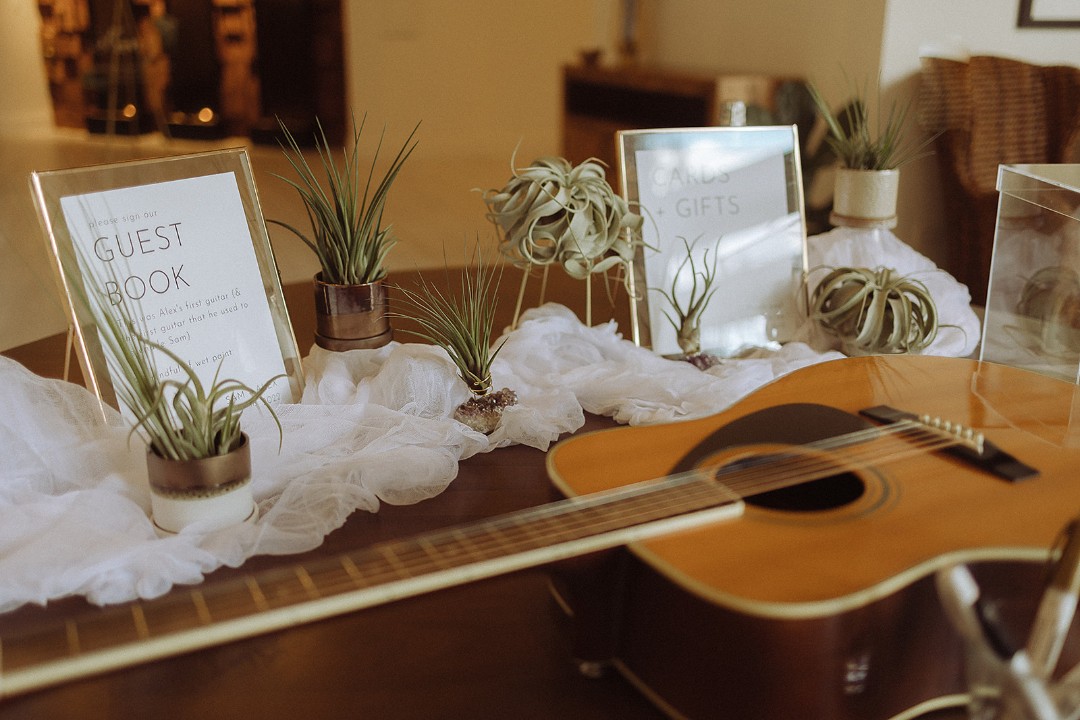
[348, 235]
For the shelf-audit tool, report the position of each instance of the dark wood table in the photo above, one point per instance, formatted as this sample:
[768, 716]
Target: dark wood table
[498, 648]
[493, 649]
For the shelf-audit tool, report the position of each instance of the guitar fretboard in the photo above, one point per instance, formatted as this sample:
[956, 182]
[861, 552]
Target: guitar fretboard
[225, 611]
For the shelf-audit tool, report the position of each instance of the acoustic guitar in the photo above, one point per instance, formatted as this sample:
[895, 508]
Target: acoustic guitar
[818, 601]
[779, 554]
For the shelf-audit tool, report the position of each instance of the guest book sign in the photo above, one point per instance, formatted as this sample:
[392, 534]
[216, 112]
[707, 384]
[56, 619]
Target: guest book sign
[182, 244]
[725, 202]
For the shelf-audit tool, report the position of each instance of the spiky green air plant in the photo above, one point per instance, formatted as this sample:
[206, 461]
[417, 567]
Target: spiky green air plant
[462, 324]
[552, 212]
[875, 311]
[858, 144]
[702, 289]
[347, 235]
[178, 419]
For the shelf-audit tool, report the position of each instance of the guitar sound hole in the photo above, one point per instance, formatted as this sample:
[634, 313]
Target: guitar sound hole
[814, 495]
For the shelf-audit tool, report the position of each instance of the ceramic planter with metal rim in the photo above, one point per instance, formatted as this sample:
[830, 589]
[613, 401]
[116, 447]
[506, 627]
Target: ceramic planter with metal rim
[214, 492]
[865, 198]
[352, 317]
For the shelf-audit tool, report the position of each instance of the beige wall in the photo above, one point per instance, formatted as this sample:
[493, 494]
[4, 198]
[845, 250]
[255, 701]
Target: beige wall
[24, 94]
[815, 40]
[481, 76]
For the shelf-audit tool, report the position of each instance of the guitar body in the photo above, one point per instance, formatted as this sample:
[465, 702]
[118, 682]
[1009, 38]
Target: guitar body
[823, 604]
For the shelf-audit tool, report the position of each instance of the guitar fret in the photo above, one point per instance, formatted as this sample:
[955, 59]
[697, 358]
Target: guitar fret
[71, 631]
[306, 582]
[466, 543]
[139, 618]
[352, 571]
[256, 594]
[395, 563]
[434, 553]
[201, 608]
[104, 629]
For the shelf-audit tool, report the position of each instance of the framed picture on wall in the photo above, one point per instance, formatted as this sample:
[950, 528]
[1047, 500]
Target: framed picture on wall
[1049, 14]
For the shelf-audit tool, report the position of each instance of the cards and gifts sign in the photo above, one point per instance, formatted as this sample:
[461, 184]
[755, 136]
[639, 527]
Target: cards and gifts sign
[179, 254]
[723, 199]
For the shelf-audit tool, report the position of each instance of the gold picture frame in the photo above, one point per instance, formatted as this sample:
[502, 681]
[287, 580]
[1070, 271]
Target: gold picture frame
[728, 198]
[185, 237]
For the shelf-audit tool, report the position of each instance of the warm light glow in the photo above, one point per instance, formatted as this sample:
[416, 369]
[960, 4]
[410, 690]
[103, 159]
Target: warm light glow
[129, 110]
[206, 115]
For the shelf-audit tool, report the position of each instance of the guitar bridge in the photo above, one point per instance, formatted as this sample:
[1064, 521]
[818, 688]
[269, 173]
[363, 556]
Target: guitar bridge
[971, 446]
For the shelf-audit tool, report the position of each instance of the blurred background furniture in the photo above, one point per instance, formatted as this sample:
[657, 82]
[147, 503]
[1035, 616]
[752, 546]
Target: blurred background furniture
[599, 100]
[992, 111]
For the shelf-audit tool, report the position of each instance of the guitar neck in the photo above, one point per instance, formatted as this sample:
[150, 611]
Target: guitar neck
[217, 613]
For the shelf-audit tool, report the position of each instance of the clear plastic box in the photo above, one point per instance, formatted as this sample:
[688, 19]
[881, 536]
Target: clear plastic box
[1033, 299]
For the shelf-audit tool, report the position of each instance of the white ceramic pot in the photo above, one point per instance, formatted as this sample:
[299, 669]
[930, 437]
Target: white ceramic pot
[213, 493]
[865, 198]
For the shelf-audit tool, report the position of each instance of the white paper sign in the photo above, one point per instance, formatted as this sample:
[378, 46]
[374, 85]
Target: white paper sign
[180, 254]
[729, 197]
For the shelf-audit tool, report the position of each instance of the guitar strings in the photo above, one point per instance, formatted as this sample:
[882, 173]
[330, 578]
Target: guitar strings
[560, 522]
[557, 523]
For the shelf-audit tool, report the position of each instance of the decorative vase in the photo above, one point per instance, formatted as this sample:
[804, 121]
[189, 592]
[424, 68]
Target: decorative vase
[865, 198]
[351, 317]
[214, 492]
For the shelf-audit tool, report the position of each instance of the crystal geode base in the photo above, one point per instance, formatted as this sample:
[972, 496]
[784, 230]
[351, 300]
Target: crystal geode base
[483, 413]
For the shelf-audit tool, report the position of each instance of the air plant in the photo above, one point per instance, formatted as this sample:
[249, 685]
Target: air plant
[348, 235]
[179, 419]
[687, 320]
[553, 213]
[875, 311]
[1052, 297]
[860, 145]
[462, 324]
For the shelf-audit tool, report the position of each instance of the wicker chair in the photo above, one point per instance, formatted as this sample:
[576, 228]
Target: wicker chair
[992, 111]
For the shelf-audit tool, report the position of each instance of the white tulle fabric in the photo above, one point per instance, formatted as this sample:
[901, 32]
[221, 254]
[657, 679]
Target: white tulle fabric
[373, 426]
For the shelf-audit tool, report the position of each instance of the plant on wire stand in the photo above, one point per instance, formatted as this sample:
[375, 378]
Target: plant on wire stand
[345, 210]
[554, 213]
[461, 323]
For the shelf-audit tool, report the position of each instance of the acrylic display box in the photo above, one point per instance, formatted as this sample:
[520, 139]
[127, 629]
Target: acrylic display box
[1033, 301]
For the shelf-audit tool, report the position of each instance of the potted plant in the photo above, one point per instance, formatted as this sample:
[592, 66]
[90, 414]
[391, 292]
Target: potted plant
[554, 213]
[198, 459]
[870, 156]
[348, 237]
[461, 324]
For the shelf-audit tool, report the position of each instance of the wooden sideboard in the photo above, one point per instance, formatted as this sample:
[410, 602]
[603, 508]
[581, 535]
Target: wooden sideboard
[599, 100]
